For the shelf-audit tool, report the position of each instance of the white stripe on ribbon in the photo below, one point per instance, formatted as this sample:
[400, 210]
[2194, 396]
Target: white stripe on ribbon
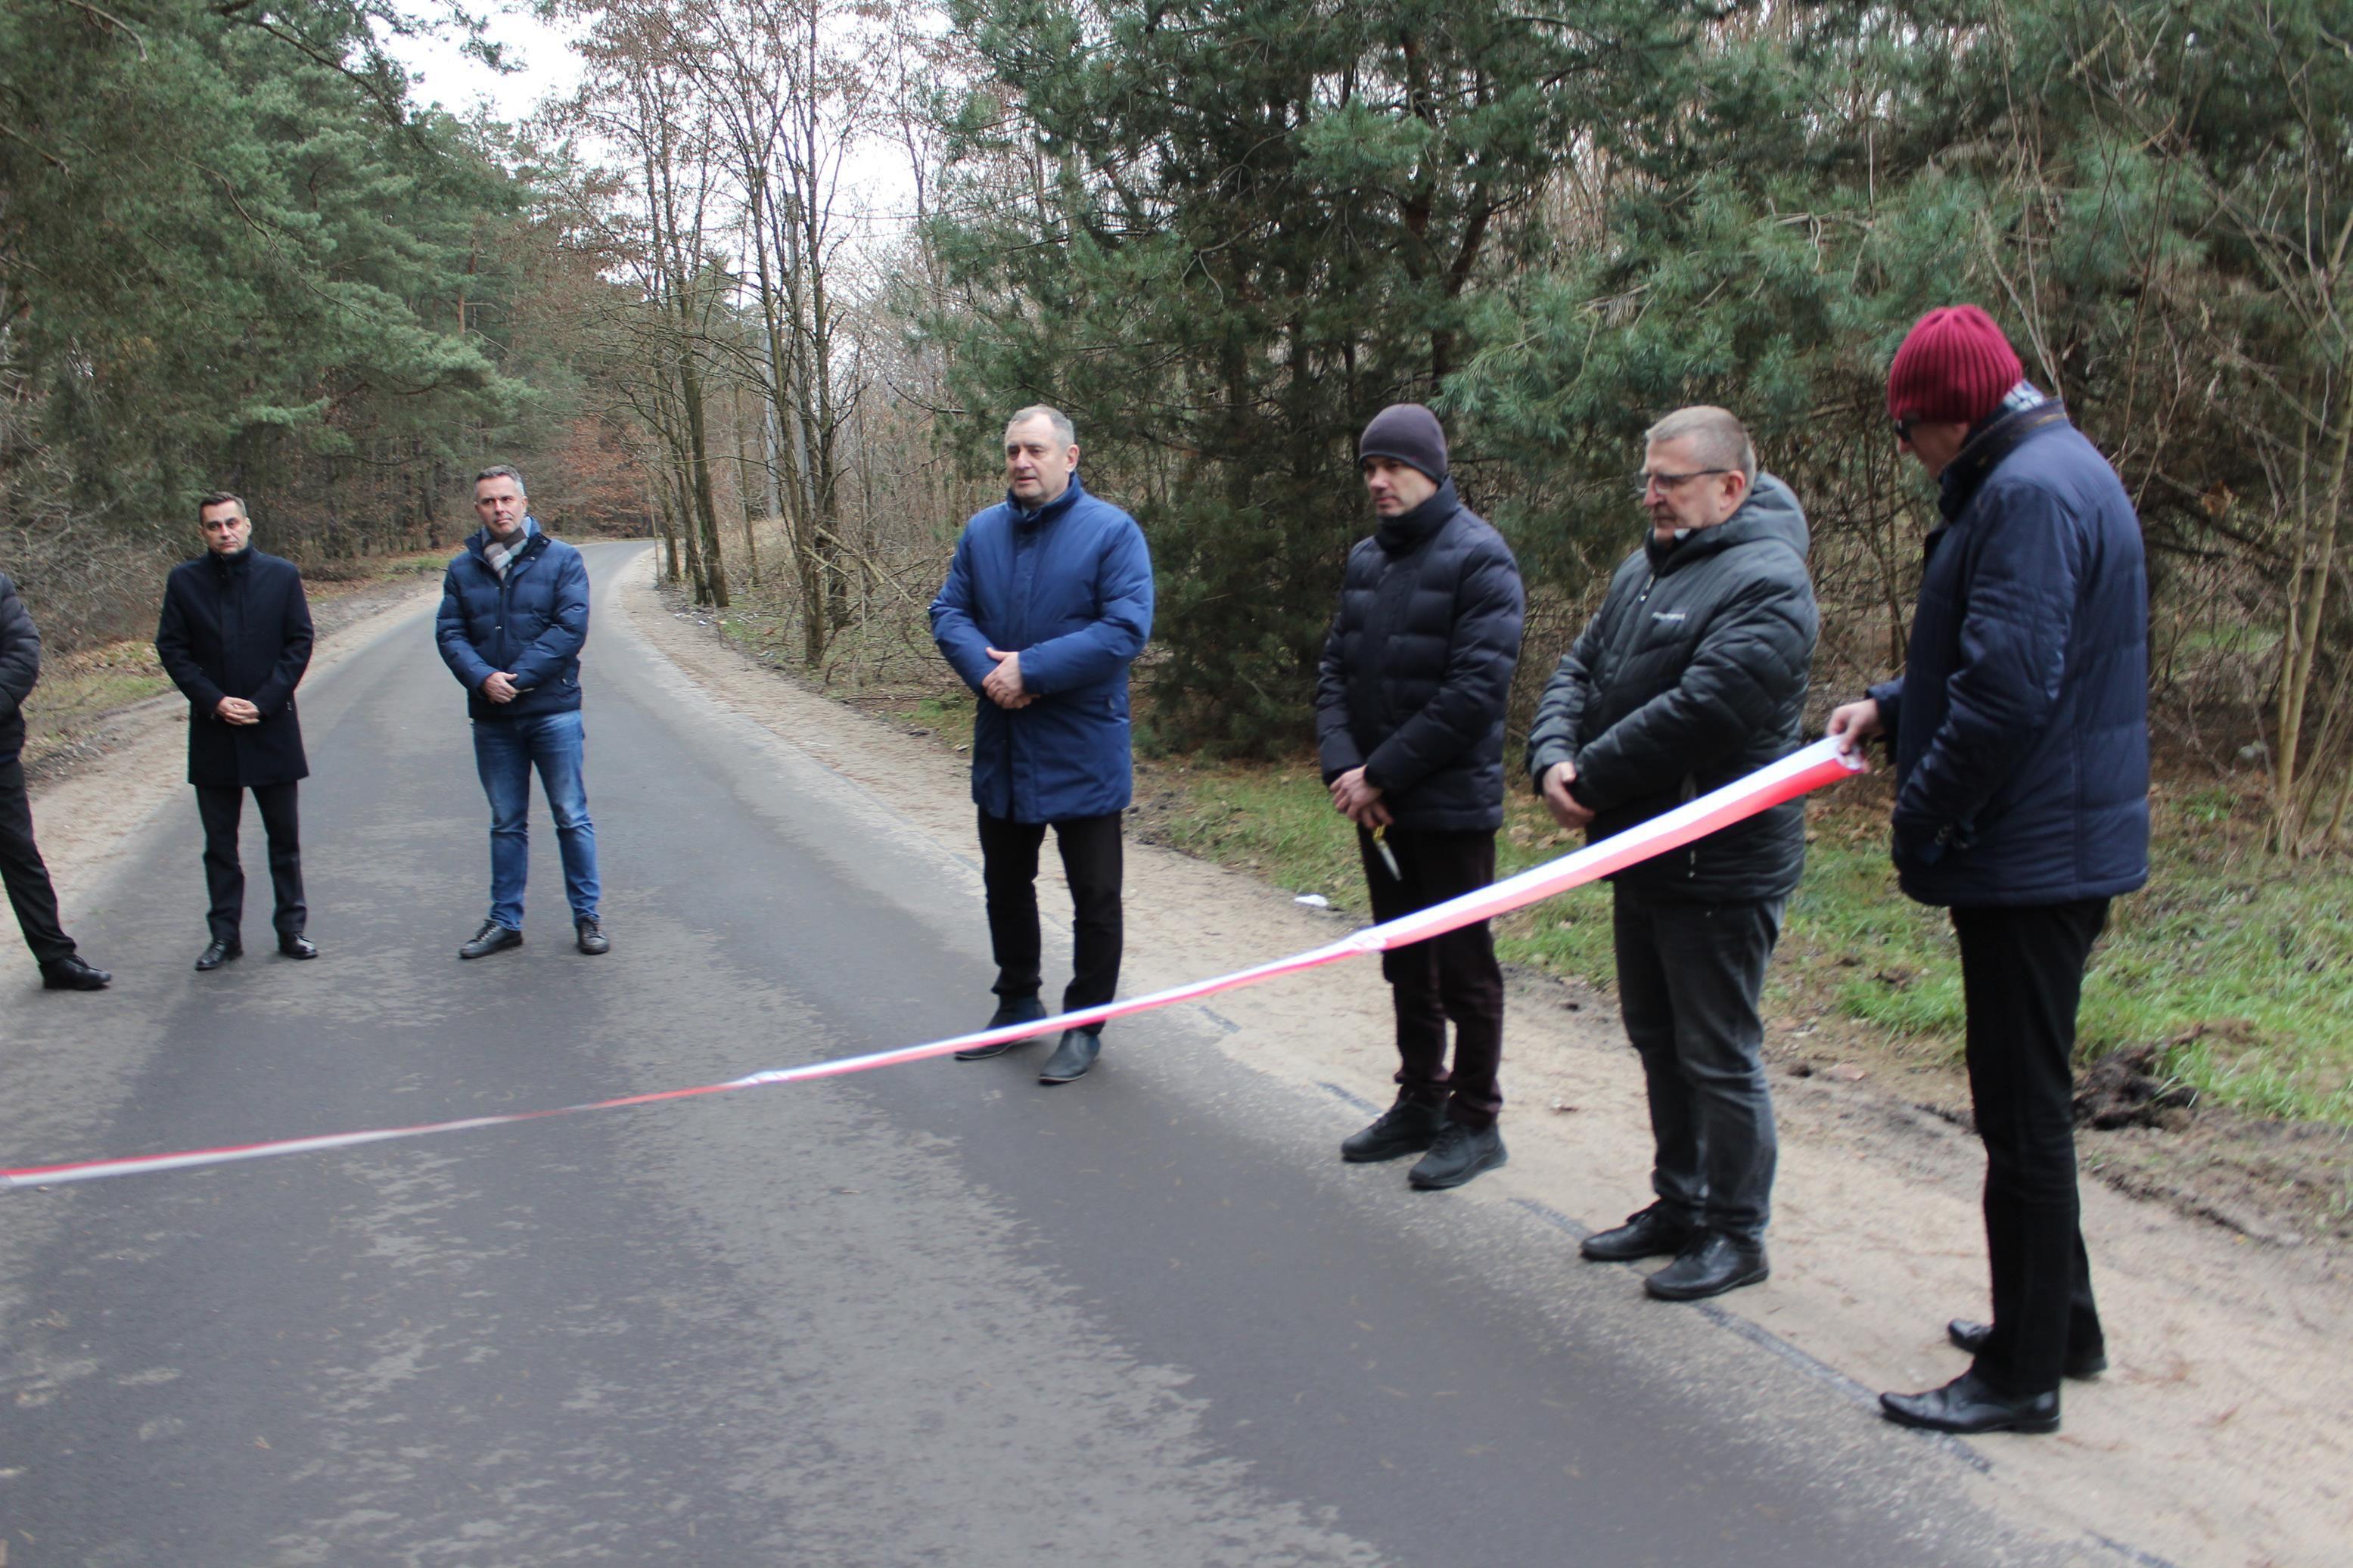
[1799, 774]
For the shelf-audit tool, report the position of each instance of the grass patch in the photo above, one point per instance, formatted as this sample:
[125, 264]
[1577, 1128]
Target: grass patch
[2237, 963]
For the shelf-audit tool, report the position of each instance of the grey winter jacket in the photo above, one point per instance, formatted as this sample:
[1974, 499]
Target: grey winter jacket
[1692, 674]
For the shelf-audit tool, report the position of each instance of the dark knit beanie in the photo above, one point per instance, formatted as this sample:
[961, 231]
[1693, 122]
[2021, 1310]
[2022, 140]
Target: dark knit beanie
[1955, 365]
[1409, 434]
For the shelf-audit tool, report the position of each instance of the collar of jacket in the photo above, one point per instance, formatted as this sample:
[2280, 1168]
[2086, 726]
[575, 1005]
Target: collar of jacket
[1052, 509]
[1673, 554]
[480, 539]
[232, 564]
[1400, 534]
[1987, 446]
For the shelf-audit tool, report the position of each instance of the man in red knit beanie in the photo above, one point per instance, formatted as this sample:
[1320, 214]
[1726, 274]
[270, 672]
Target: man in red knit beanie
[2019, 728]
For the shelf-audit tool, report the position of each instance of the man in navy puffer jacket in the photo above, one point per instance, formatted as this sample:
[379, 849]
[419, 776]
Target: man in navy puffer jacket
[514, 615]
[2020, 731]
[1410, 705]
[1048, 602]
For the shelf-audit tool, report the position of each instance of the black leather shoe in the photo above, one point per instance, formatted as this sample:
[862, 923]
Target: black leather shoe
[298, 947]
[1460, 1153]
[492, 937]
[1653, 1232]
[1709, 1265]
[1972, 1337]
[217, 953]
[1011, 1011]
[591, 936]
[70, 973]
[1408, 1126]
[1967, 1405]
[1072, 1057]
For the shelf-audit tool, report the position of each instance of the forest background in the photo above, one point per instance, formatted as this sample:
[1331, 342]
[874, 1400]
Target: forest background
[237, 250]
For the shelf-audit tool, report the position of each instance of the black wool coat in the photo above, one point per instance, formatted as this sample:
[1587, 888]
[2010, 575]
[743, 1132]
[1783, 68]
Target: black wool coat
[238, 626]
[1692, 674]
[1417, 667]
[20, 669]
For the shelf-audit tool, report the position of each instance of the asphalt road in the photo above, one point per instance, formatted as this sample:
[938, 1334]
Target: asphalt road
[935, 1314]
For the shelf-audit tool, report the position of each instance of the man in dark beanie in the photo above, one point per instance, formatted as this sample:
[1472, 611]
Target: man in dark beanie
[2019, 728]
[1410, 721]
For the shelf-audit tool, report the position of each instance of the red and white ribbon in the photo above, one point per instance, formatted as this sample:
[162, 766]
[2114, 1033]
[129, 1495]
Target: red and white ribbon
[1799, 774]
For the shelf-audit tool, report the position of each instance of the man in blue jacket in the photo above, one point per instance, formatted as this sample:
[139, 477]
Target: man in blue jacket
[2020, 731]
[1048, 602]
[514, 615]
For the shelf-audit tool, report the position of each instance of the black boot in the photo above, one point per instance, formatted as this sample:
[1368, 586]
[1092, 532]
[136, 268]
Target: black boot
[1972, 1337]
[1073, 1057]
[217, 952]
[1011, 1011]
[1967, 1404]
[1653, 1232]
[1710, 1264]
[1405, 1128]
[71, 974]
[1460, 1153]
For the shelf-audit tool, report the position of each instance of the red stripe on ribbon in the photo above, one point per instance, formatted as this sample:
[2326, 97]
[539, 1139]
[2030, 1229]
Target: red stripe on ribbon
[1818, 764]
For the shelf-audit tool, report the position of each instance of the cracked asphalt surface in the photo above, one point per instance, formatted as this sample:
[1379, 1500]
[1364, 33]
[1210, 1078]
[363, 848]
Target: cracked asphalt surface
[936, 1314]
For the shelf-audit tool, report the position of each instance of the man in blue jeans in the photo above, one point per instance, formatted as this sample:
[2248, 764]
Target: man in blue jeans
[514, 615]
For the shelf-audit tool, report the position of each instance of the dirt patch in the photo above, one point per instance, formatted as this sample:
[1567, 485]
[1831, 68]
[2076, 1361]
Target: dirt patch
[2224, 1434]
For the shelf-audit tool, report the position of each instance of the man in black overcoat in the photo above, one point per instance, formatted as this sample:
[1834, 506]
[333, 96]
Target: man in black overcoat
[21, 868]
[236, 638]
[1410, 705]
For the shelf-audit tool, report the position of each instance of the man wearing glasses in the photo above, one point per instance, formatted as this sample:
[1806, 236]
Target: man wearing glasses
[2020, 731]
[1692, 674]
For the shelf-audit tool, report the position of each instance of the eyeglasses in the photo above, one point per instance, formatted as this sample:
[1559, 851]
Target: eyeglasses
[1903, 428]
[1670, 483]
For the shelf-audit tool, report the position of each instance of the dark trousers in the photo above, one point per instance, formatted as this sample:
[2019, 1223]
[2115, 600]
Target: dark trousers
[1091, 859]
[29, 892]
[220, 806]
[1454, 977]
[2021, 976]
[1689, 974]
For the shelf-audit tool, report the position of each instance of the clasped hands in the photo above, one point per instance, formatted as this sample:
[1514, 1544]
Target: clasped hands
[1360, 802]
[1002, 685]
[237, 710]
[1564, 807]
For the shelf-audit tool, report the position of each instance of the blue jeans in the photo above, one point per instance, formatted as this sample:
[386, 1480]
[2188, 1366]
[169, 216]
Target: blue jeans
[505, 751]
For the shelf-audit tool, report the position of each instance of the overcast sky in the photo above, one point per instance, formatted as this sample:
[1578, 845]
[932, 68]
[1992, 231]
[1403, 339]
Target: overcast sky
[457, 83]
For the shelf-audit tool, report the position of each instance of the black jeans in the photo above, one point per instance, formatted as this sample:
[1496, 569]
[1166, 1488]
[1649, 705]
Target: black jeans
[21, 868]
[1091, 859]
[2021, 976]
[1689, 974]
[1451, 977]
[220, 807]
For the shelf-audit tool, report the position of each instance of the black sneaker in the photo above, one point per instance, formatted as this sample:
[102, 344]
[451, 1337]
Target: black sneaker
[1460, 1153]
[591, 936]
[1405, 1128]
[1011, 1011]
[1653, 1232]
[492, 937]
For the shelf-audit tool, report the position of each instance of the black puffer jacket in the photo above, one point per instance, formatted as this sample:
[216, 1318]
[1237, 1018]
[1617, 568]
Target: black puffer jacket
[1692, 673]
[20, 667]
[1418, 664]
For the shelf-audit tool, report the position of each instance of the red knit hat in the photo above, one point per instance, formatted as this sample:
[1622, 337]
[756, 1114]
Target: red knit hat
[1955, 365]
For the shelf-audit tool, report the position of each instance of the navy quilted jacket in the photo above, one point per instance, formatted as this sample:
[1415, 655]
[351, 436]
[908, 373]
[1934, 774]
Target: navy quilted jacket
[1417, 667]
[2021, 722]
[532, 624]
